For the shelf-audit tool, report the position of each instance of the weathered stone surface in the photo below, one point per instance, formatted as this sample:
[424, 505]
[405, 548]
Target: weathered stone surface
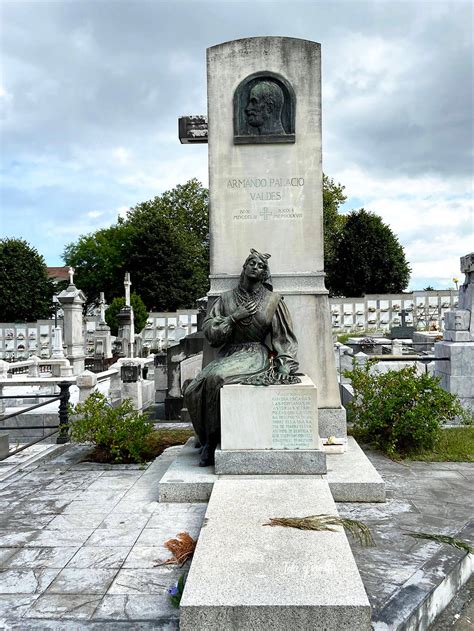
[351, 477]
[272, 417]
[332, 422]
[270, 461]
[248, 576]
[269, 196]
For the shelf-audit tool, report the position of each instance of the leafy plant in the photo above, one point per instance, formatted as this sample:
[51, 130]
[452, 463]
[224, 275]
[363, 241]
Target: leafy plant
[358, 530]
[176, 591]
[450, 541]
[401, 412]
[121, 432]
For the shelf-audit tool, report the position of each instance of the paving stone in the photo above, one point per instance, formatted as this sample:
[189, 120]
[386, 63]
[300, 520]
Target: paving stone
[31, 581]
[15, 607]
[72, 521]
[6, 554]
[20, 538]
[124, 520]
[17, 522]
[54, 538]
[76, 606]
[146, 557]
[82, 581]
[99, 557]
[135, 607]
[41, 557]
[113, 537]
[143, 581]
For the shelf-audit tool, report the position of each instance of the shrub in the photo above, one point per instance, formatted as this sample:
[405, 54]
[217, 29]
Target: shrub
[120, 433]
[399, 411]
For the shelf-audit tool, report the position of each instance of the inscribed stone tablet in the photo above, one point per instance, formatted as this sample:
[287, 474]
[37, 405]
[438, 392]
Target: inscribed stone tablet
[291, 421]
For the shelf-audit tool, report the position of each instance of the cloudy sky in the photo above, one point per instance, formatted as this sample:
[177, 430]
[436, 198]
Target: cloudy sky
[91, 92]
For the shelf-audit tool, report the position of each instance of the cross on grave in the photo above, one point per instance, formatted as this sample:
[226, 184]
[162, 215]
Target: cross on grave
[266, 213]
[403, 314]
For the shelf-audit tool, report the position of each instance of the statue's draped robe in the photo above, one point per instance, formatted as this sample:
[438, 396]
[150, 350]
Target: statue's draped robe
[243, 354]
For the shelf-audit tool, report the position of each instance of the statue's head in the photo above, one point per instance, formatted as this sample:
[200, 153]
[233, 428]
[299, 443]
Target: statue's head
[265, 106]
[256, 266]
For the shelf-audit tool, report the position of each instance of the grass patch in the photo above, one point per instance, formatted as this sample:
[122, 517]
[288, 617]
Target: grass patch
[155, 444]
[456, 444]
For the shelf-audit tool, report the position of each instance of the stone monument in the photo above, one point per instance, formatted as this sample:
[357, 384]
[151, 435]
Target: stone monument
[72, 301]
[102, 338]
[126, 329]
[455, 354]
[265, 182]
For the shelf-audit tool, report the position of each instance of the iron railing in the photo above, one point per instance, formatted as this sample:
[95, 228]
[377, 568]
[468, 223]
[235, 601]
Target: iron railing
[62, 429]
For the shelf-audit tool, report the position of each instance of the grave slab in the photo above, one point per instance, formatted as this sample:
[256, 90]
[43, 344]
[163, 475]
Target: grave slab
[247, 576]
[351, 477]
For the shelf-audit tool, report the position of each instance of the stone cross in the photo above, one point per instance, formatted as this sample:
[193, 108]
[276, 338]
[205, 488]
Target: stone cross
[127, 284]
[71, 271]
[403, 314]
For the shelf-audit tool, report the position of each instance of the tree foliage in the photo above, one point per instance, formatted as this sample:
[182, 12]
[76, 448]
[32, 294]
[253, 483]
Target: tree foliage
[99, 260]
[333, 223]
[140, 313]
[163, 243]
[368, 258]
[26, 292]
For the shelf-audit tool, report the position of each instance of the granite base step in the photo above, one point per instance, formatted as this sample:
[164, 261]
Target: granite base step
[247, 576]
[350, 475]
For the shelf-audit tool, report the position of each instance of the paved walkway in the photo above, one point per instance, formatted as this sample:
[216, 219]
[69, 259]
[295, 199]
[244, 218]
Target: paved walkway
[79, 541]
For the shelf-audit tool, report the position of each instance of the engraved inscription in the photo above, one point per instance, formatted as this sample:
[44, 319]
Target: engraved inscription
[292, 421]
[253, 191]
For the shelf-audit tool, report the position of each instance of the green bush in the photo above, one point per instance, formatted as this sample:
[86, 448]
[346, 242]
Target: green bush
[399, 411]
[121, 433]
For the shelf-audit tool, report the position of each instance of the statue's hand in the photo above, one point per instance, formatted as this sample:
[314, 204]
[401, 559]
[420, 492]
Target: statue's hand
[245, 311]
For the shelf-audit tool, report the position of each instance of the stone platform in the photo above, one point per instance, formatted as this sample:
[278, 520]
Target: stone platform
[351, 477]
[247, 576]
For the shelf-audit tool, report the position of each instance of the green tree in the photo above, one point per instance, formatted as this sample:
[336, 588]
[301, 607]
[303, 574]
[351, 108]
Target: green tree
[140, 313]
[163, 243]
[333, 222]
[26, 292]
[368, 258]
[99, 261]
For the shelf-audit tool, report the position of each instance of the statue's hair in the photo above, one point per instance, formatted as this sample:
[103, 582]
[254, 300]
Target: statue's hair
[263, 257]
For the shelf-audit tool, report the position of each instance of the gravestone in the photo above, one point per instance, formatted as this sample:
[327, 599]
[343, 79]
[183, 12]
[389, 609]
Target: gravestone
[72, 301]
[265, 181]
[455, 354]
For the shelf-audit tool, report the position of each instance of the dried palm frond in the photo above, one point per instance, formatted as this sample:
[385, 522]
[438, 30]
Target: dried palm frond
[182, 548]
[357, 529]
[451, 541]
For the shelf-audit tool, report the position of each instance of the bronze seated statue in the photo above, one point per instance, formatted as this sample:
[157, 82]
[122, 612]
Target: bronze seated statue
[239, 322]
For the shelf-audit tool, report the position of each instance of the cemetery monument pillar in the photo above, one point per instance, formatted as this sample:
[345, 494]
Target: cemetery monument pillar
[265, 181]
[72, 301]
